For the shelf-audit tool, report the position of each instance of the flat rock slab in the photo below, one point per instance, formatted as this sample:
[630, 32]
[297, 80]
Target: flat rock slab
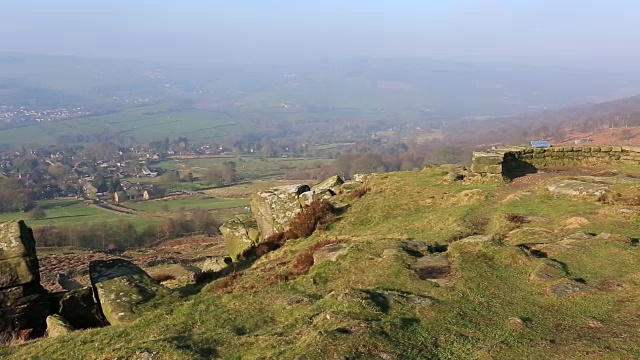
[530, 235]
[432, 267]
[476, 239]
[612, 180]
[577, 188]
[330, 252]
[122, 287]
[566, 289]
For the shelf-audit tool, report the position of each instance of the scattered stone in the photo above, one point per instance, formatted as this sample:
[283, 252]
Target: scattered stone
[414, 247]
[529, 235]
[297, 299]
[387, 253]
[476, 239]
[146, 355]
[566, 289]
[432, 267]
[121, 287]
[577, 188]
[274, 208]
[57, 326]
[453, 176]
[595, 324]
[330, 252]
[548, 271]
[580, 235]
[535, 219]
[215, 263]
[360, 177]
[240, 233]
[575, 222]
[67, 283]
[515, 323]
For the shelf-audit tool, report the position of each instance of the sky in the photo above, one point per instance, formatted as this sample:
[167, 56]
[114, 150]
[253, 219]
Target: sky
[586, 33]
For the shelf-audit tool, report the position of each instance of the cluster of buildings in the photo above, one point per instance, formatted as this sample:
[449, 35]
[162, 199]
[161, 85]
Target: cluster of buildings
[10, 114]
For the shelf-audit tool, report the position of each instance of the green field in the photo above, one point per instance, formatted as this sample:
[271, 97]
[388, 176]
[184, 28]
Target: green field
[247, 167]
[187, 204]
[141, 124]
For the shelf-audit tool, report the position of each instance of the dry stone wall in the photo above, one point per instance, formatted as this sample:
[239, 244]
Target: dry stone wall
[507, 161]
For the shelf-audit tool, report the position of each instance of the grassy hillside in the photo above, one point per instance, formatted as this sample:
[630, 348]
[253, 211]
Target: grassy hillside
[558, 280]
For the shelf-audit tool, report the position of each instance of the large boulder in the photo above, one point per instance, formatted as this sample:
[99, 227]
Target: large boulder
[571, 187]
[308, 197]
[78, 307]
[274, 208]
[329, 183]
[122, 287]
[18, 261]
[240, 233]
[23, 306]
[58, 326]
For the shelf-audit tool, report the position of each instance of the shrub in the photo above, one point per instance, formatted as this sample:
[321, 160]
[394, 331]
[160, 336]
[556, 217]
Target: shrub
[515, 218]
[304, 261]
[37, 213]
[228, 281]
[358, 193]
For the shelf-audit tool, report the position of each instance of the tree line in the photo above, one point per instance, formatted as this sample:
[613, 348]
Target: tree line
[124, 234]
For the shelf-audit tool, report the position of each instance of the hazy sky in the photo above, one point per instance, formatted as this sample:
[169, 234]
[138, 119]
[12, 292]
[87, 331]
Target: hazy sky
[549, 32]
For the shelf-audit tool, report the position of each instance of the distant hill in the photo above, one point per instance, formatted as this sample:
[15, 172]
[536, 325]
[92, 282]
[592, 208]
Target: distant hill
[609, 122]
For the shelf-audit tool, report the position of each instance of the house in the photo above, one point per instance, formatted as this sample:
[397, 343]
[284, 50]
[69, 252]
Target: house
[126, 195]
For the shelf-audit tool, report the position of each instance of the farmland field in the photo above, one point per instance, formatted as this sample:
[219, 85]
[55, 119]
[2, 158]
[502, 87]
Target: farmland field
[247, 167]
[190, 203]
[141, 124]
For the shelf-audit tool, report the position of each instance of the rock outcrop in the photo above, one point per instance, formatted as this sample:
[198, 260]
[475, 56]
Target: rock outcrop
[122, 287]
[78, 307]
[23, 306]
[329, 184]
[274, 208]
[240, 233]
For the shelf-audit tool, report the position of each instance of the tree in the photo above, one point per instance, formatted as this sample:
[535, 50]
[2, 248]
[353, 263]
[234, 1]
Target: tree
[171, 177]
[229, 171]
[213, 177]
[367, 163]
[37, 213]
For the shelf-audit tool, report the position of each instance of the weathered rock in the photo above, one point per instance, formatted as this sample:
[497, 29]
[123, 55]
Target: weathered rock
[476, 239]
[274, 208]
[215, 263]
[516, 324]
[329, 183]
[23, 307]
[25, 318]
[360, 177]
[18, 261]
[80, 309]
[414, 247]
[530, 235]
[577, 188]
[240, 233]
[122, 287]
[575, 222]
[57, 326]
[566, 289]
[308, 197]
[330, 252]
[433, 267]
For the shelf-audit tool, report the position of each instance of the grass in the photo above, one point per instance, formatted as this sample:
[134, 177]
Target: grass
[339, 309]
[187, 204]
[144, 124]
[247, 167]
